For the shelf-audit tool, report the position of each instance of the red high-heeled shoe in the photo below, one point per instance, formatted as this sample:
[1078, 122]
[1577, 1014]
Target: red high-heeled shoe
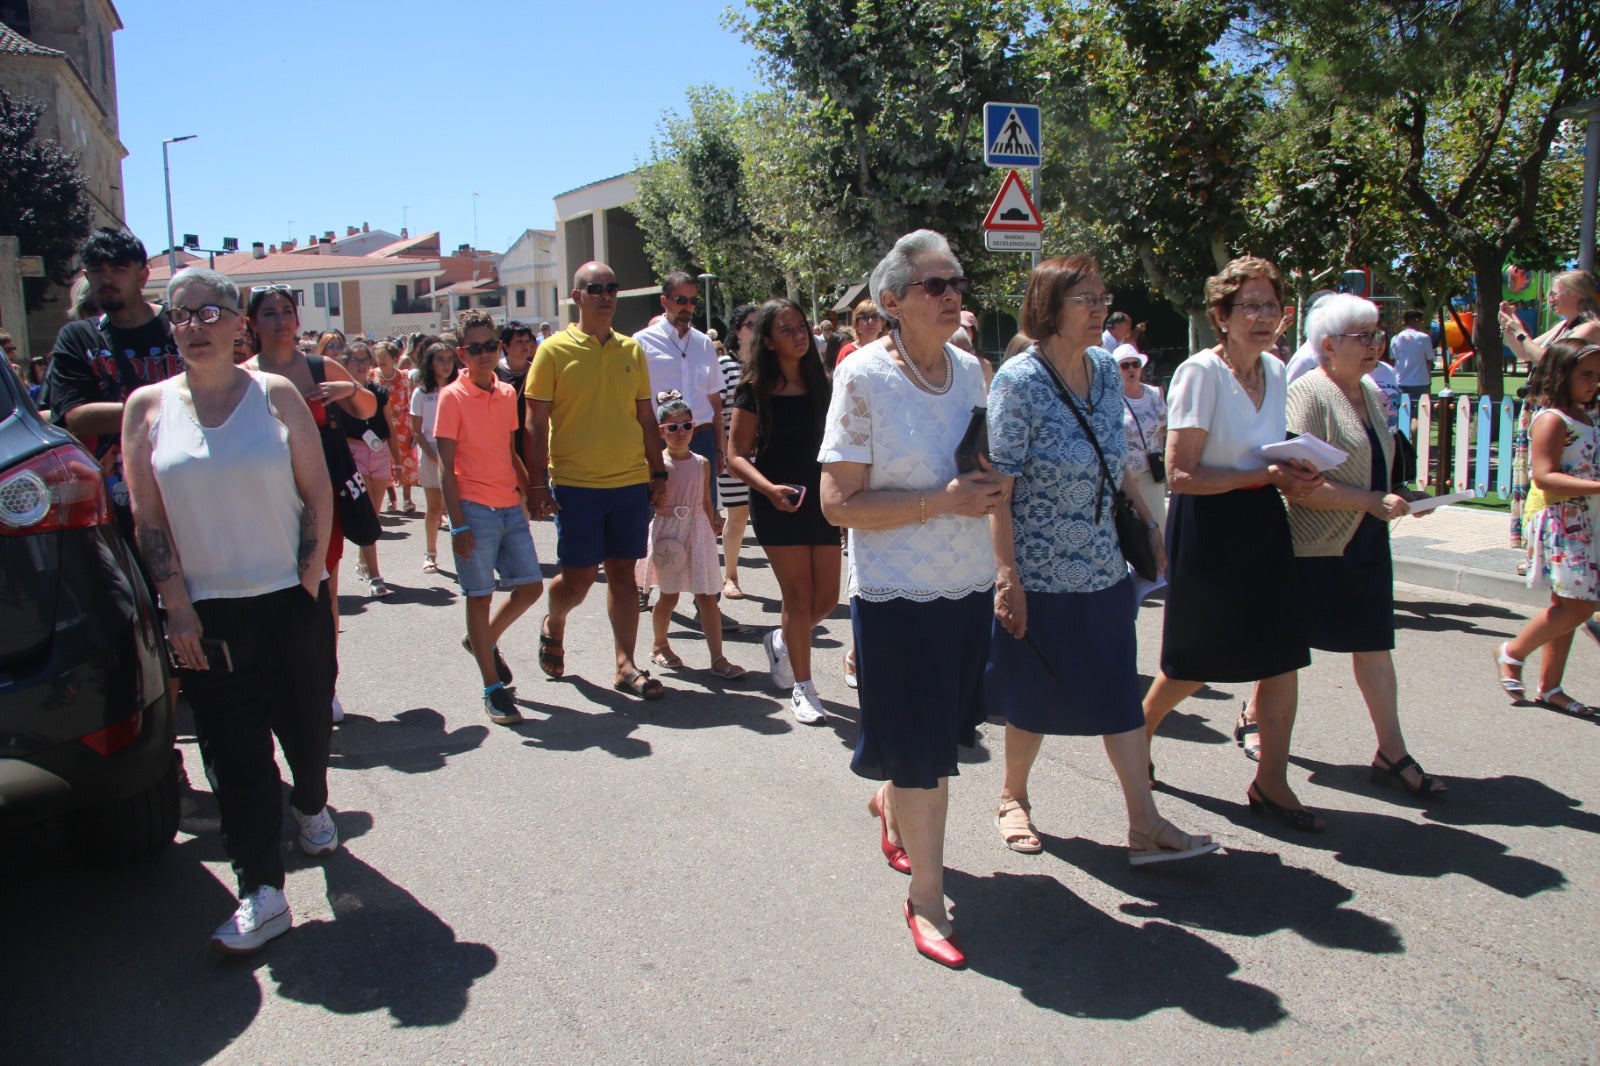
[945, 951]
[898, 859]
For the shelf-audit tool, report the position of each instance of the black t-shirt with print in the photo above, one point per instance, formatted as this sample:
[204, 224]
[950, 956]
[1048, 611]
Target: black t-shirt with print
[95, 362]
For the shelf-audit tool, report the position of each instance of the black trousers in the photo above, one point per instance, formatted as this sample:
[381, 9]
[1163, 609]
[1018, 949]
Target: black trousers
[281, 683]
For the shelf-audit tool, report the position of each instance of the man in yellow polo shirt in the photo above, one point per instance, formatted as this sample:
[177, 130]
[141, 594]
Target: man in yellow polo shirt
[591, 424]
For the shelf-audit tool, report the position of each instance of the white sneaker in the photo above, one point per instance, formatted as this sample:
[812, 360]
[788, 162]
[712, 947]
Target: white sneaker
[777, 662]
[262, 915]
[806, 704]
[318, 835]
[338, 709]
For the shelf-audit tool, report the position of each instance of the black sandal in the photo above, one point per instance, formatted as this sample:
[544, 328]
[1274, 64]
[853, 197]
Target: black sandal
[1243, 729]
[640, 683]
[1394, 773]
[552, 656]
[1300, 819]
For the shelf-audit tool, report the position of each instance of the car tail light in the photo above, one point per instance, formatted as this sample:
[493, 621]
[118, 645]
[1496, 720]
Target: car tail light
[113, 738]
[59, 489]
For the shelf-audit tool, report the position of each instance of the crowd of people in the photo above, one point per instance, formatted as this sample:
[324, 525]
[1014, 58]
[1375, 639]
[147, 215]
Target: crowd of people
[984, 580]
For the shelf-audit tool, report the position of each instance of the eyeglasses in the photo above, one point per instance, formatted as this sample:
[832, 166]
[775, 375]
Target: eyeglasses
[1255, 310]
[609, 288]
[208, 314]
[870, 316]
[936, 286]
[1092, 299]
[1369, 338]
[681, 300]
[677, 427]
[479, 349]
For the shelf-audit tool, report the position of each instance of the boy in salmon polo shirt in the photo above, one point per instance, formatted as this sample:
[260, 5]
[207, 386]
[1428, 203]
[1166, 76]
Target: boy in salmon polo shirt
[485, 488]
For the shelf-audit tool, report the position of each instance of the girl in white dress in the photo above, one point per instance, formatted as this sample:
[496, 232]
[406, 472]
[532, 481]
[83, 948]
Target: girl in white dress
[1564, 461]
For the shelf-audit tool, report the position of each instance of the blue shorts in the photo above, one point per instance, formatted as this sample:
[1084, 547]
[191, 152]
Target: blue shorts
[594, 525]
[501, 541]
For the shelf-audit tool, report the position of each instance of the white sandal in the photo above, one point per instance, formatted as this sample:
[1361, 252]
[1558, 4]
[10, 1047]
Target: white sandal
[430, 563]
[1512, 685]
[1573, 707]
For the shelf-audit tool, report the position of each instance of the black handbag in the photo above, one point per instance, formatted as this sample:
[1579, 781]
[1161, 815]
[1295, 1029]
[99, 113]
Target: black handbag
[356, 515]
[1133, 535]
[1157, 461]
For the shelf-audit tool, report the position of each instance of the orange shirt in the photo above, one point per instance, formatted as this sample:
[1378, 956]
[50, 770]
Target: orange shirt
[481, 422]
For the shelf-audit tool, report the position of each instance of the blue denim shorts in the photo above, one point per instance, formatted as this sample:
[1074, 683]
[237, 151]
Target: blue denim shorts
[594, 525]
[501, 542]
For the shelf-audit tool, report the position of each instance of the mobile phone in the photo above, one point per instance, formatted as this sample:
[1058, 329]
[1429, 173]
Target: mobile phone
[216, 652]
[796, 493]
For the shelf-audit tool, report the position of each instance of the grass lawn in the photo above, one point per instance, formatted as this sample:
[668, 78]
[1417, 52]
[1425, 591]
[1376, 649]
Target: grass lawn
[1468, 383]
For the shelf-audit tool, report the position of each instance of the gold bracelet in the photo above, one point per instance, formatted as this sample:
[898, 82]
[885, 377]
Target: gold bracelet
[922, 508]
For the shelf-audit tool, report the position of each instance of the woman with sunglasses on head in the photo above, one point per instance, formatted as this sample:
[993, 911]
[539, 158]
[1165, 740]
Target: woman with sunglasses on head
[867, 321]
[1229, 616]
[921, 563]
[1144, 424]
[274, 317]
[1063, 658]
[1345, 575]
[232, 506]
[438, 369]
[734, 493]
[777, 427]
[372, 449]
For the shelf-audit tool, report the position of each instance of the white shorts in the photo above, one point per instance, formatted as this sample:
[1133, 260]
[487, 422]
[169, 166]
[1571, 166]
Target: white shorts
[427, 470]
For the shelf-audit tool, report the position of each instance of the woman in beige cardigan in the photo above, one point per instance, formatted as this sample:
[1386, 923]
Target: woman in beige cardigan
[1343, 568]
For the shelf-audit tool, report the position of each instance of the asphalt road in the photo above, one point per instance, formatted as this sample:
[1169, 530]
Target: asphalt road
[698, 880]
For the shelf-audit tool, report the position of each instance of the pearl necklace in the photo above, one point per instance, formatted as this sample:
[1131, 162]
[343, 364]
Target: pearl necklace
[916, 372]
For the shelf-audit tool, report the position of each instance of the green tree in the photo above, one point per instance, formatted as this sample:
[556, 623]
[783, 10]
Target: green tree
[1468, 91]
[44, 200]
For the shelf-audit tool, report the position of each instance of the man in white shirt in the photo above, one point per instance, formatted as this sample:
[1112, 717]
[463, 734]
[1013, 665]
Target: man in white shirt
[1412, 352]
[682, 359]
[1119, 327]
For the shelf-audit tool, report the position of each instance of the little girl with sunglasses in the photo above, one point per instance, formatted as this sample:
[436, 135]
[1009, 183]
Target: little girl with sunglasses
[682, 555]
[1564, 460]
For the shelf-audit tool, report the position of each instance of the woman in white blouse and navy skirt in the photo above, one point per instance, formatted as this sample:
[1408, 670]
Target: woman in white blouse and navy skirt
[921, 563]
[1231, 613]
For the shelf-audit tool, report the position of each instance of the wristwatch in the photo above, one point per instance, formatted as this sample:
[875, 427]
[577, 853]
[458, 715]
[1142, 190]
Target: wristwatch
[1152, 525]
[658, 475]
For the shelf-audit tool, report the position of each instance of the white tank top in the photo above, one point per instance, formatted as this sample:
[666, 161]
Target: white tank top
[230, 496]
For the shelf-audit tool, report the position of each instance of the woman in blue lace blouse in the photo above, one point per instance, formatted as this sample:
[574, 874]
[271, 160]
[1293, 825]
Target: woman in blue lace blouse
[1062, 656]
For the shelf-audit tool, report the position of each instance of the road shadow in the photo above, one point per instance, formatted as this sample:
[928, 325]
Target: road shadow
[1387, 844]
[1065, 955]
[416, 741]
[608, 726]
[1430, 616]
[1238, 892]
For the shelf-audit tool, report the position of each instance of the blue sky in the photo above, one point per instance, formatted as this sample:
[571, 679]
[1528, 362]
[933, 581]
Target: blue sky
[340, 112]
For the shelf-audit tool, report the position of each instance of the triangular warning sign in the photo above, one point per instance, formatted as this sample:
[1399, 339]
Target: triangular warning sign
[1013, 138]
[1013, 209]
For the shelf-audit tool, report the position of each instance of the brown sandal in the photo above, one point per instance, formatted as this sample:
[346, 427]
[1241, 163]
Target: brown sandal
[666, 659]
[640, 683]
[727, 670]
[1016, 828]
[552, 656]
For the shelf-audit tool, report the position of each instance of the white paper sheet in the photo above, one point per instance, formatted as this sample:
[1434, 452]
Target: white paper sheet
[1423, 506]
[1314, 450]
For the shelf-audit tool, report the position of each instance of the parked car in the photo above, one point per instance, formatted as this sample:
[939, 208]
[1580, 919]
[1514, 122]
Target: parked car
[85, 726]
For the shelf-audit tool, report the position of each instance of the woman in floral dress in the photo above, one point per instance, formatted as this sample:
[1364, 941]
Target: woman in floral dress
[398, 412]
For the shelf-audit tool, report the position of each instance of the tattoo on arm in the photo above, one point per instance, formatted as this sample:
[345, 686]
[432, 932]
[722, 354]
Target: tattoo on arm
[156, 548]
[308, 538]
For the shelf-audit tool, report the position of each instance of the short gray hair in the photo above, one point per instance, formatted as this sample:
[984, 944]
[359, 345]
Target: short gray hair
[1339, 313]
[894, 273]
[218, 285]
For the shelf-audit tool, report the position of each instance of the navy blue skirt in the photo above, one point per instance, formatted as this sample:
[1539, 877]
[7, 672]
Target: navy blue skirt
[1349, 599]
[1080, 675]
[920, 671]
[1233, 609]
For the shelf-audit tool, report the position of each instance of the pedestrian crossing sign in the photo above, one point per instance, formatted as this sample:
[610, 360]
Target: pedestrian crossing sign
[1011, 134]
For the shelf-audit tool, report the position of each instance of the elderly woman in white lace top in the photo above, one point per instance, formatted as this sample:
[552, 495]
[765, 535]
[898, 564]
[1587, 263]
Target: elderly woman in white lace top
[921, 562]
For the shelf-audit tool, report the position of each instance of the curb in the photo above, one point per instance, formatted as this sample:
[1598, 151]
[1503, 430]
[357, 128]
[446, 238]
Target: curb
[1469, 581]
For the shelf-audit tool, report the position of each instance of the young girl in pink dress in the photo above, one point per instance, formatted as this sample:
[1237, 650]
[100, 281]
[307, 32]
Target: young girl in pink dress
[682, 556]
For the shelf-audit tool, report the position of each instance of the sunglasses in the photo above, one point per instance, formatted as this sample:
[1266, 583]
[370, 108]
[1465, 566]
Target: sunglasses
[936, 286]
[681, 300]
[209, 314]
[273, 288]
[874, 317]
[479, 349]
[609, 288]
[677, 427]
[1129, 366]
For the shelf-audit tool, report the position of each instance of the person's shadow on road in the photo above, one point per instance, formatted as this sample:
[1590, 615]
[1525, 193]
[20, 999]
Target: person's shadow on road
[417, 741]
[1066, 955]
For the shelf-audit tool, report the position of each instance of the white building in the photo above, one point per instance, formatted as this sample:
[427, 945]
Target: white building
[593, 222]
[527, 272]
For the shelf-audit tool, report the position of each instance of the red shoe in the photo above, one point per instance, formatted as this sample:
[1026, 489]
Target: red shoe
[896, 855]
[945, 950]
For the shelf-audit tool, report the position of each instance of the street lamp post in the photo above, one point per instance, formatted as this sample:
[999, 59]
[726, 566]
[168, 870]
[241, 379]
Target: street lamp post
[166, 173]
[708, 279]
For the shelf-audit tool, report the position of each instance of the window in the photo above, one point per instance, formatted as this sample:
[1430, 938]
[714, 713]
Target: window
[491, 299]
[522, 297]
[401, 294]
[319, 294]
[423, 287]
[333, 298]
[463, 302]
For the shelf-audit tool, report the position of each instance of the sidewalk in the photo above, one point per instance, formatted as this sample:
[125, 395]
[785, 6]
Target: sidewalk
[1462, 549]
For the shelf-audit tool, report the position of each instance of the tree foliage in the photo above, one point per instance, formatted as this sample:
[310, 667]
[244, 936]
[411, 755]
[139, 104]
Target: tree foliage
[44, 200]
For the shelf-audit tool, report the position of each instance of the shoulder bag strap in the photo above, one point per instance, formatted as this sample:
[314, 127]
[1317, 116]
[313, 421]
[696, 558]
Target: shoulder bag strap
[1088, 430]
[1142, 442]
